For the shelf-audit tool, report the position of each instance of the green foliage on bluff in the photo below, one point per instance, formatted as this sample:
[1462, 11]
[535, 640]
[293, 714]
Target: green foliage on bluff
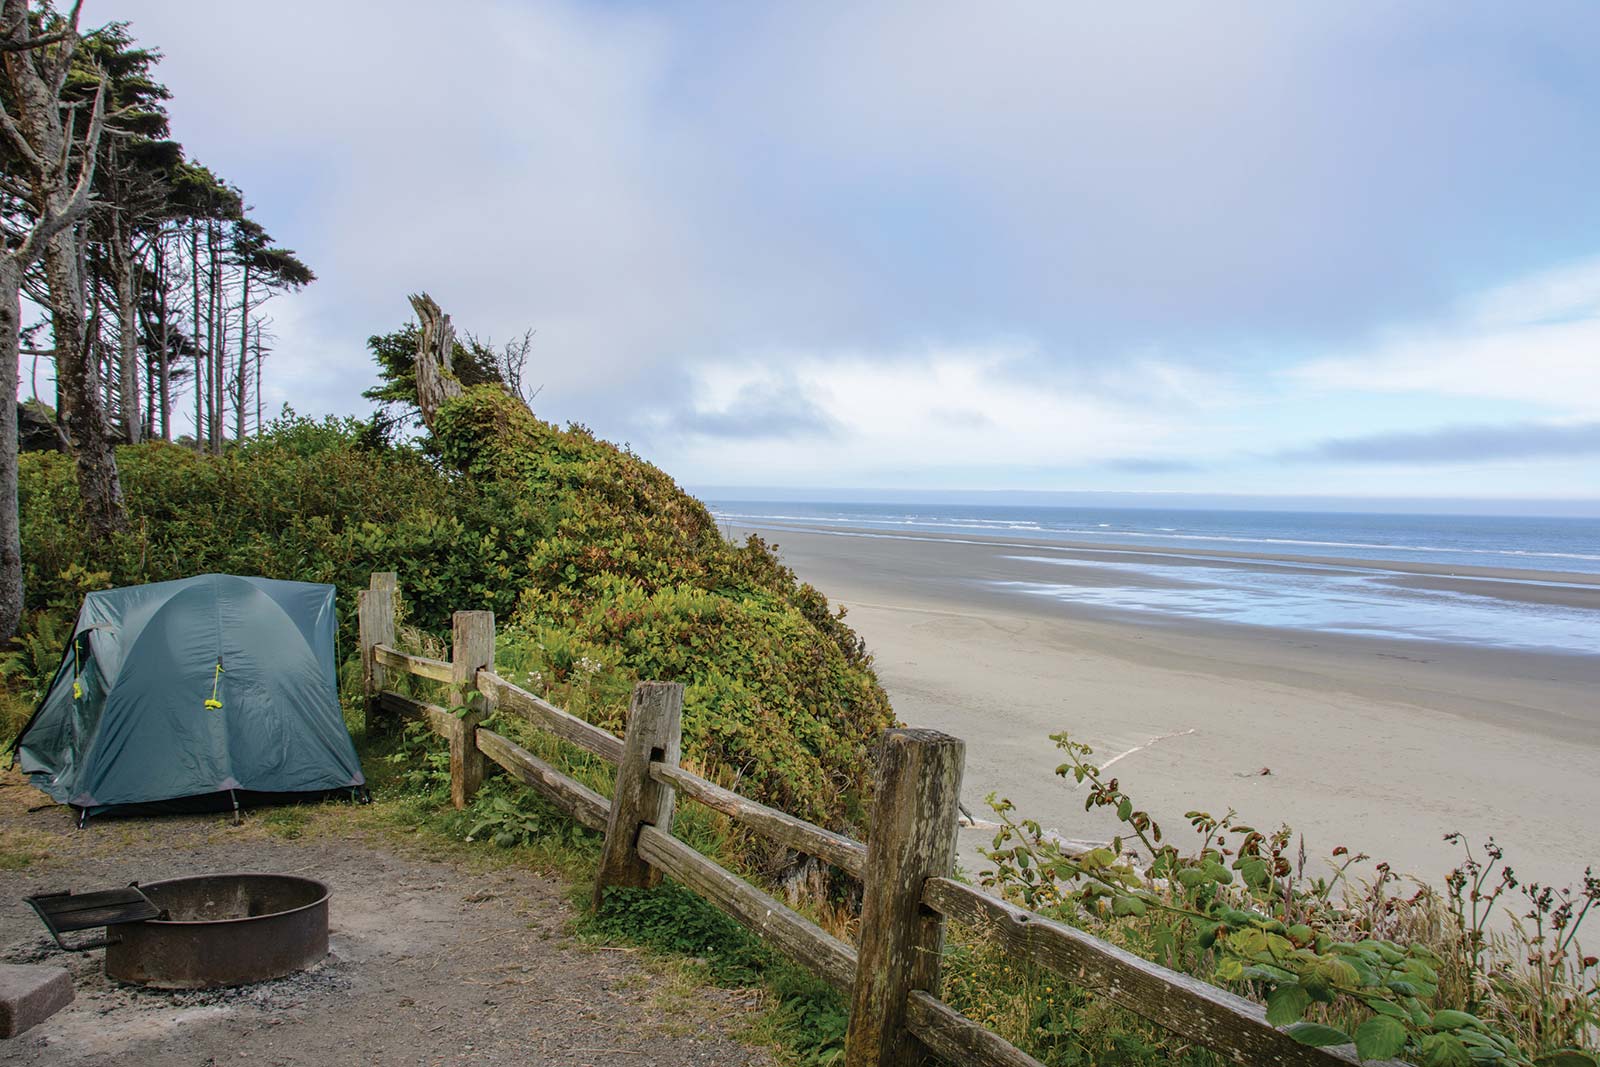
[598, 566]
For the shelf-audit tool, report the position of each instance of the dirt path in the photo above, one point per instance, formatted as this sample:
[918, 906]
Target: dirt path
[430, 965]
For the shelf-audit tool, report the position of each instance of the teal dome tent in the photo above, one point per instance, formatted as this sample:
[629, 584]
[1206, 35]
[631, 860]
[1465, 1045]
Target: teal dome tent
[205, 693]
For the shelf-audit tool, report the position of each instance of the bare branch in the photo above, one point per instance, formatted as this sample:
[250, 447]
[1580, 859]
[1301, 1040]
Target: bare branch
[82, 191]
[20, 143]
[52, 222]
[28, 43]
[57, 74]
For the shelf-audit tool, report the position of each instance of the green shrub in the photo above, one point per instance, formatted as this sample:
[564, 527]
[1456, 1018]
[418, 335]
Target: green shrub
[631, 579]
[601, 571]
[509, 814]
[29, 665]
[671, 919]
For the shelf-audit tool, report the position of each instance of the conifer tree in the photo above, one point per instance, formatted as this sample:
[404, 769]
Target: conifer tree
[148, 266]
[49, 156]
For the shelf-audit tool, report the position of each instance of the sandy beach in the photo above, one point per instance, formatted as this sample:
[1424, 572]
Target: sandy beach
[1377, 744]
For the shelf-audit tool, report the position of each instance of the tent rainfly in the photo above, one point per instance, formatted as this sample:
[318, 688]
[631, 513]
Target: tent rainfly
[206, 693]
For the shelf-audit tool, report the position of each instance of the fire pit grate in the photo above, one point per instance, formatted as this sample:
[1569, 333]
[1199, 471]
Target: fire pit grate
[64, 913]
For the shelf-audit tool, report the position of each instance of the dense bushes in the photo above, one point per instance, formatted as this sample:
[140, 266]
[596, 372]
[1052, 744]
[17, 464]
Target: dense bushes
[592, 559]
[304, 501]
[780, 691]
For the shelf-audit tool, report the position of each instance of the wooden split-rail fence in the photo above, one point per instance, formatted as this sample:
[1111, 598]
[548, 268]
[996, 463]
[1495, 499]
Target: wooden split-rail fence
[906, 866]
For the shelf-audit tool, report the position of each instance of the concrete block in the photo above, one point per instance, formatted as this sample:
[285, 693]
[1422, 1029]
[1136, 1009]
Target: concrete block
[29, 994]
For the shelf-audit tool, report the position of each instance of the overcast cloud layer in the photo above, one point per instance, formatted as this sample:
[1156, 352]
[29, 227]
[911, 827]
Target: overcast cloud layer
[1258, 248]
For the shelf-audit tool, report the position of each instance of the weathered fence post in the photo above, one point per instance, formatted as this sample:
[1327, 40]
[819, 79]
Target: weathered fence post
[375, 618]
[654, 734]
[471, 649]
[912, 838]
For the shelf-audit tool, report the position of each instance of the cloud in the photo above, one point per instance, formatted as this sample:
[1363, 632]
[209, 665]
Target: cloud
[761, 410]
[964, 417]
[1534, 341]
[1150, 465]
[1120, 173]
[968, 411]
[1458, 444]
[936, 244]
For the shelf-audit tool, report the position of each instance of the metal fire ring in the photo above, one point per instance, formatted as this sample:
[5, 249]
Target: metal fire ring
[222, 930]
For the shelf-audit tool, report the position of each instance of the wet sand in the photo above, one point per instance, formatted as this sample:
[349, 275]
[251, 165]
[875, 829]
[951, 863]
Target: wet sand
[1381, 745]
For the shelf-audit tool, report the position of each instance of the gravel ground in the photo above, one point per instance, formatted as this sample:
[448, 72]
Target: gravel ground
[430, 963]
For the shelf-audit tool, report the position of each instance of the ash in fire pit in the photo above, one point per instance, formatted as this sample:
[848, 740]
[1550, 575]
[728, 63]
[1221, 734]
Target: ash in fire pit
[222, 930]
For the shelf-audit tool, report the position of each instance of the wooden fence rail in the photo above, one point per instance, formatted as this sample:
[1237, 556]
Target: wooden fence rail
[892, 979]
[437, 670]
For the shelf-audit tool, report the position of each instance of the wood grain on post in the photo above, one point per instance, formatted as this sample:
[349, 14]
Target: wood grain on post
[912, 839]
[375, 619]
[471, 649]
[654, 735]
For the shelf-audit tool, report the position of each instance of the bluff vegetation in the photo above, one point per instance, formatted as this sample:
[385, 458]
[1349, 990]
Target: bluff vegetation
[594, 560]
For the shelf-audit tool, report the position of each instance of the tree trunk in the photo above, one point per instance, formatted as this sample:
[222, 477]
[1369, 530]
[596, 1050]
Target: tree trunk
[40, 140]
[194, 312]
[128, 340]
[211, 340]
[164, 369]
[216, 342]
[258, 378]
[219, 379]
[82, 415]
[436, 340]
[10, 525]
[241, 375]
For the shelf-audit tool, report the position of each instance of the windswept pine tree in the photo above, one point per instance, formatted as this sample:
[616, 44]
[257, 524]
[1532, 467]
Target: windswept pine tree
[132, 183]
[46, 190]
[149, 271]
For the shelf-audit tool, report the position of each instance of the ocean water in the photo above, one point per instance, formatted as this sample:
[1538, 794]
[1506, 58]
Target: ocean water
[1548, 544]
[1357, 590]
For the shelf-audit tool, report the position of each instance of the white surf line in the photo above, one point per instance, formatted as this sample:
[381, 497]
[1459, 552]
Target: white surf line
[1140, 748]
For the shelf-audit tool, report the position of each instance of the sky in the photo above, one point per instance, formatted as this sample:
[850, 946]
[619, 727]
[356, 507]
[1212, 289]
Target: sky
[1255, 248]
